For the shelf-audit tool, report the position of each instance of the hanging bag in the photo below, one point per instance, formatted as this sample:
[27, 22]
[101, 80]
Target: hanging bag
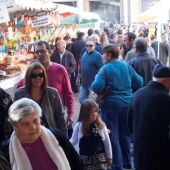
[99, 98]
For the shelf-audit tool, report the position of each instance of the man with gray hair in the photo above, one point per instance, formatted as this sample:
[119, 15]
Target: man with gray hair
[143, 63]
[149, 120]
[64, 57]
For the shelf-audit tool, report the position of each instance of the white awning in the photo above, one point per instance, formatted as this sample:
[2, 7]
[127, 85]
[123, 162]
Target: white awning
[37, 5]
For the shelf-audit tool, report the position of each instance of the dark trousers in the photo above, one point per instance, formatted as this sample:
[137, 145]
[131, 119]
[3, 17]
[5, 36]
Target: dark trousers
[115, 117]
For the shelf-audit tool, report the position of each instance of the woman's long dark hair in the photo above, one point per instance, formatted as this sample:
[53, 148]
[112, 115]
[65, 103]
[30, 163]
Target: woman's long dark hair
[35, 65]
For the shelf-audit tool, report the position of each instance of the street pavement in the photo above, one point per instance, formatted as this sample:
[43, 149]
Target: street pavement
[76, 108]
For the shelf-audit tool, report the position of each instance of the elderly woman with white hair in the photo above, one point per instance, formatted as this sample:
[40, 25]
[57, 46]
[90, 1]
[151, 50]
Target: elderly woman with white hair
[33, 146]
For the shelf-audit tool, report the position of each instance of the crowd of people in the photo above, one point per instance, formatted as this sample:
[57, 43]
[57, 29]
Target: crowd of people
[131, 73]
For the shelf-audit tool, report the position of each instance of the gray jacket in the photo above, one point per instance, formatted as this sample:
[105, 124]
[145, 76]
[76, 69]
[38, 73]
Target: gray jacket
[51, 106]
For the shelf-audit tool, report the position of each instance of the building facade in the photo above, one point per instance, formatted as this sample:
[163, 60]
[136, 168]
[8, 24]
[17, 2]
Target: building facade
[113, 11]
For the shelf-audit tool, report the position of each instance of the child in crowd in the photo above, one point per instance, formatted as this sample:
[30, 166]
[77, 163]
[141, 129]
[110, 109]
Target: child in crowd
[92, 135]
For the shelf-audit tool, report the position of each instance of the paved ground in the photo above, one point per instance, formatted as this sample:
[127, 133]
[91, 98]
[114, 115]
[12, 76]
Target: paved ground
[76, 108]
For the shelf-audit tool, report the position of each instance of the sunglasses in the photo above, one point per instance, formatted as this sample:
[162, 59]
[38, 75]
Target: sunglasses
[40, 75]
[41, 51]
[88, 45]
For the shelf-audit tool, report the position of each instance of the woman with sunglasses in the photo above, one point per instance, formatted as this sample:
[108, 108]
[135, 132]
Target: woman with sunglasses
[48, 98]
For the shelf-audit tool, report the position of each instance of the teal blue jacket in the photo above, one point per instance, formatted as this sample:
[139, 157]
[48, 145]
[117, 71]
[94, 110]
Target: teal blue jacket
[121, 79]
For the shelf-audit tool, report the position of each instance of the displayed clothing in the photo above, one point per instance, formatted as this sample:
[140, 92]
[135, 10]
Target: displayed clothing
[51, 106]
[51, 145]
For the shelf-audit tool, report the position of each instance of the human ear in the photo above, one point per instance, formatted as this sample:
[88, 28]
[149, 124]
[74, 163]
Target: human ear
[14, 126]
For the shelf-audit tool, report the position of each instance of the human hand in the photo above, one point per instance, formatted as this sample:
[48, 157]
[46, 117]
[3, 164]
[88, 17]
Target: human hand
[69, 121]
[109, 162]
[78, 80]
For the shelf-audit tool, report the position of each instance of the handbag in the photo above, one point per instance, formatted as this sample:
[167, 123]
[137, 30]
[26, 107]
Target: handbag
[99, 98]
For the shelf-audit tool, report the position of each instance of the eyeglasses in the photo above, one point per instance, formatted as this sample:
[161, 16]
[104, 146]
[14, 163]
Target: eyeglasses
[41, 51]
[40, 75]
[88, 45]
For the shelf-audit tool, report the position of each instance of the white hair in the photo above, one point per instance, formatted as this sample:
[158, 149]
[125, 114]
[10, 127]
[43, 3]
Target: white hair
[62, 43]
[159, 79]
[22, 108]
[94, 37]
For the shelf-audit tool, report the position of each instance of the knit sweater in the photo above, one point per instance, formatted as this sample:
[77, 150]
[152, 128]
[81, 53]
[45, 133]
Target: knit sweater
[90, 64]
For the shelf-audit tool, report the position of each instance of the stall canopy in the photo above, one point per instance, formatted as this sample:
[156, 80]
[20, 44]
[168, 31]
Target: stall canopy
[73, 15]
[66, 10]
[158, 13]
[18, 5]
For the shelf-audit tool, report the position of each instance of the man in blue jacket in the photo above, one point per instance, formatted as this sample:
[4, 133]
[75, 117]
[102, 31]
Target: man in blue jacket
[90, 63]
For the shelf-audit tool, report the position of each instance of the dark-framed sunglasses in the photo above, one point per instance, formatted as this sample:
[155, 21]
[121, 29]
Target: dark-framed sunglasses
[89, 45]
[40, 75]
[41, 51]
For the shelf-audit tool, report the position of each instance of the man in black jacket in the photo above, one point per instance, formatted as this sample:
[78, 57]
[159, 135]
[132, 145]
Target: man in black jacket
[149, 120]
[143, 63]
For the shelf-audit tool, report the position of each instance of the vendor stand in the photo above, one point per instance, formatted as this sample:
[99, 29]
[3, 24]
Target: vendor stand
[21, 25]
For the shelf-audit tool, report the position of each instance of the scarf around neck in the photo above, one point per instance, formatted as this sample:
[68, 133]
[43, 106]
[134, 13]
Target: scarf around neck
[20, 161]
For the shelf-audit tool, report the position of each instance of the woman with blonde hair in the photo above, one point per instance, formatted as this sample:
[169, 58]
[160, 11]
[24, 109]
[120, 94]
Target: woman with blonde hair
[104, 39]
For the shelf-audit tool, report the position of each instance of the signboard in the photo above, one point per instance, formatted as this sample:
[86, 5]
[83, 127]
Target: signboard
[40, 21]
[4, 16]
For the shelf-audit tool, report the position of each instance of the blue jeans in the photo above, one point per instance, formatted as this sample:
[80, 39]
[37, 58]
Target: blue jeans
[84, 93]
[115, 117]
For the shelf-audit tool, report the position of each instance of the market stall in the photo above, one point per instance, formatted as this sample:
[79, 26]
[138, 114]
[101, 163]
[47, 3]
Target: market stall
[22, 23]
[72, 18]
